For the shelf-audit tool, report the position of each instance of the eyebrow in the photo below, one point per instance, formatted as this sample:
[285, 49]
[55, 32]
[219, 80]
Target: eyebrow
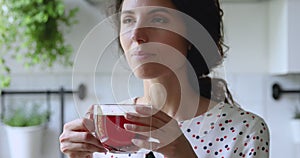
[127, 12]
[150, 12]
[159, 10]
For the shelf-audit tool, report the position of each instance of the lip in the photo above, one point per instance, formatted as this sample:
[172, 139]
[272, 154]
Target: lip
[141, 55]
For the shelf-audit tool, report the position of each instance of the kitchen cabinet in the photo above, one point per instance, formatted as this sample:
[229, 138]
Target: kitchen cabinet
[284, 27]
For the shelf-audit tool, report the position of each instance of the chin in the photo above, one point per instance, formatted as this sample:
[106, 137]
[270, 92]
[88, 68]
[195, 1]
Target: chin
[141, 74]
[151, 71]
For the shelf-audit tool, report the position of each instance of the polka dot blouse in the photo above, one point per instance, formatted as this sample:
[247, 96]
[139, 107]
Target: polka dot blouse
[225, 131]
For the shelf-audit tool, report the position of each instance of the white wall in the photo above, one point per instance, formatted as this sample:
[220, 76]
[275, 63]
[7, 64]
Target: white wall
[247, 28]
[246, 33]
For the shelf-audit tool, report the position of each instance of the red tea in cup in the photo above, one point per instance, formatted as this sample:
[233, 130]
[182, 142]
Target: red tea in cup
[109, 122]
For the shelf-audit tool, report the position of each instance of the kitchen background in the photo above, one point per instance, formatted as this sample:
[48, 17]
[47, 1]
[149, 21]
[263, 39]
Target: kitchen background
[262, 37]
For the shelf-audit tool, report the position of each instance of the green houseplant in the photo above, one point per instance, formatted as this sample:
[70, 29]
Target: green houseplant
[31, 31]
[295, 125]
[297, 113]
[24, 117]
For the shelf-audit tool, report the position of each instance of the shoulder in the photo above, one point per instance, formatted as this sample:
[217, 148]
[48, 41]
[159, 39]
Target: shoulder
[230, 128]
[249, 131]
[246, 120]
[228, 118]
[224, 117]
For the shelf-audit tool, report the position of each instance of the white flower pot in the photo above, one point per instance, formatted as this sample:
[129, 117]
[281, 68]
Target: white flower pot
[295, 127]
[25, 142]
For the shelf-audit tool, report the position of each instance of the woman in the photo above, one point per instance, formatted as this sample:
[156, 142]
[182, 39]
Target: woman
[189, 121]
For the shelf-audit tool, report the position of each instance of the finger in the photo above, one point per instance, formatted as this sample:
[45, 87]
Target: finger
[137, 128]
[146, 144]
[142, 137]
[146, 121]
[148, 111]
[70, 147]
[83, 124]
[80, 137]
[129, 148]
[150, 132]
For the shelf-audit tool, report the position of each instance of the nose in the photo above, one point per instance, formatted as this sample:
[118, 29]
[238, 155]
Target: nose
[139, 35]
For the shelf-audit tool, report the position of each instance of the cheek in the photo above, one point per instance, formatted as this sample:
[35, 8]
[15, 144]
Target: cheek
[180, 44]
[173, 40]
[124, 42]
[125, 46]
[178, 55]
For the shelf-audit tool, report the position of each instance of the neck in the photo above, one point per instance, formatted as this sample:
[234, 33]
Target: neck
[174, 95]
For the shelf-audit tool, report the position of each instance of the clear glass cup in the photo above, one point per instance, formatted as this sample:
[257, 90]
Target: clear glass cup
[109, 120]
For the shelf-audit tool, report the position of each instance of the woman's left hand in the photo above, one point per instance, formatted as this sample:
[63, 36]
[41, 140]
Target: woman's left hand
[158, 125]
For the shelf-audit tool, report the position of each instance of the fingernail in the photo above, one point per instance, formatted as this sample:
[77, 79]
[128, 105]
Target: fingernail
[129, 126]
[143, 110]
[128, 116]
[136, 142]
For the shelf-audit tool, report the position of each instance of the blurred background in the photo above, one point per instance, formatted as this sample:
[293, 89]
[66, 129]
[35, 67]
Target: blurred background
[263, 39]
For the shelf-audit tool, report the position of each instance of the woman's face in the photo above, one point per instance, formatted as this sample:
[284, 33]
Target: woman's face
[148, 36]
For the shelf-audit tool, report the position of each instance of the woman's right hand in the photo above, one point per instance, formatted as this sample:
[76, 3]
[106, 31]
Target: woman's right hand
[77, 140]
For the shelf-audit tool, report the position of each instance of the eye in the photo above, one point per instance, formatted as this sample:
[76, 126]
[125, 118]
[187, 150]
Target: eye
[128, 20]
[161, 20]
